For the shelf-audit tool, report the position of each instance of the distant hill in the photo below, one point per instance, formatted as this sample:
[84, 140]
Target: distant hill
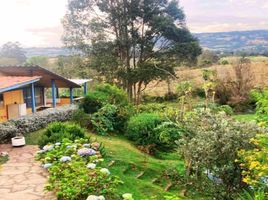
[250, 41]
[47, 51]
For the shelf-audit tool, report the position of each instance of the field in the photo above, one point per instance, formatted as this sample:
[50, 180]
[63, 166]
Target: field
[259, 68]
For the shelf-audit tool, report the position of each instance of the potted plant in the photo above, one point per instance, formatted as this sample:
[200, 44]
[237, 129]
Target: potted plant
[18, 141]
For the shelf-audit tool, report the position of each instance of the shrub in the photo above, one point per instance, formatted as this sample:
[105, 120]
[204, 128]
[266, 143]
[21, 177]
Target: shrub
[140, 128]
[81, 118]
[110, 119]
[34, 122]
[102, 95]
[211, 146]
[103, 121]
[92, 103]
[166, 134]
[75, 170]
[57, 131]
[151, 108]
[261, 97]
[254, 163]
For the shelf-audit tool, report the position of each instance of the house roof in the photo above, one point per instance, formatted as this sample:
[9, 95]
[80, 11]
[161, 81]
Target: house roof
[13, 82]
[46, 75]
[80, 81]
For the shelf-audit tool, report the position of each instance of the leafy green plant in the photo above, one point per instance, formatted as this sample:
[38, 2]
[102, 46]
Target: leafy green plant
[151, 108]
[57, 131]
[210, 147]
[261, 97]
[258, 195]
[75, 170]
[166, 134]
[140, 128]
[102, 95]
[81, 118]
[110, 119]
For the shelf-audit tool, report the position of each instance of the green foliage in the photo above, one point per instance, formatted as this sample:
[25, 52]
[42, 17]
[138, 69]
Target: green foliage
[81, 118]
[38, 60]
[166, 134]
[151, 108]
[104, 94]
[215, 108]
[57, 131]
[247, 195]
[210, 145]
[184, 88]
[69, 175]
[13, 50]
[224, 62]
[114, 57]
[261, 97]
[254, 163]
[140, 128]
[103, 121]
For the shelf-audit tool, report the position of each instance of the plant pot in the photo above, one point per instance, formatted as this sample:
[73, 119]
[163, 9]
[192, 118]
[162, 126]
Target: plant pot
[18, 141]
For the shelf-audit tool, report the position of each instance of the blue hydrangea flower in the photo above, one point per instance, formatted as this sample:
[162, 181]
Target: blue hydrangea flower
[91, 166]
[86, 145]
[47, 165]
[65, 159]
[68, 147]
[48, 147]
[41, 151]
[57, 143]
[86, 152]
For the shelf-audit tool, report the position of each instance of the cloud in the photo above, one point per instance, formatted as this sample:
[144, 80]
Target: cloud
[225, 15]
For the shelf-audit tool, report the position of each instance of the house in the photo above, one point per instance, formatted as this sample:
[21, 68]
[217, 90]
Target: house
[23, 90]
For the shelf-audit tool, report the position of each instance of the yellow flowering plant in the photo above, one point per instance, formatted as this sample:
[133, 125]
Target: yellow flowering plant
[254, 163]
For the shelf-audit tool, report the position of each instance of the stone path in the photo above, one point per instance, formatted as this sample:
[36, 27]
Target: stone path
[22, 178]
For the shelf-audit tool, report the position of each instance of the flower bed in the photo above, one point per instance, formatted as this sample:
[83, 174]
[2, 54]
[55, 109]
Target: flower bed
[76, 170]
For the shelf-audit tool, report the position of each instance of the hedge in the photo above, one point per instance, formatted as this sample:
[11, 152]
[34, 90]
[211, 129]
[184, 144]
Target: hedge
[34, 122]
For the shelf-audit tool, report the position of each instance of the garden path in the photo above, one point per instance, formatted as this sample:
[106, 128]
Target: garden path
[21, 177]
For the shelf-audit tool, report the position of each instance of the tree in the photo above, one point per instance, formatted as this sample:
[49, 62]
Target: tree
[13, 50]
[208, 58]
[38, 60]
[131, 42]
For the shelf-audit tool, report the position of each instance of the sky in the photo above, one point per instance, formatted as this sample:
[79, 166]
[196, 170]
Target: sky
[37, 23]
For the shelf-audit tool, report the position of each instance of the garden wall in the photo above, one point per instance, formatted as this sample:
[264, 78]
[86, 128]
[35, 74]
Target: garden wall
[34, 122]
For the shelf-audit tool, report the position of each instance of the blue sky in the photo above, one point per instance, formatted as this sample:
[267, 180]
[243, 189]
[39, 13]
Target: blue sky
[38, 22]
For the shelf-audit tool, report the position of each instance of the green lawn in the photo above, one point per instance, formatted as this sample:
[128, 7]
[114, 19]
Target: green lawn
[245, 117]
[129, 162]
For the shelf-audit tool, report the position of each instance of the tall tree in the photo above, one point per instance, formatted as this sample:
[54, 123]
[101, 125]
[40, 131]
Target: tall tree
[131, 41]
[13, 50]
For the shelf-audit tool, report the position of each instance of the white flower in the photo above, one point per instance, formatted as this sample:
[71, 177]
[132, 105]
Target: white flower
[94, 197]
[127, 196]
[105, 171]
[4, 153]
[91, 166]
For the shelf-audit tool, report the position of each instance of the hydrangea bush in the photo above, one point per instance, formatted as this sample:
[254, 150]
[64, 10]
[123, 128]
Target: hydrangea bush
[76, 170]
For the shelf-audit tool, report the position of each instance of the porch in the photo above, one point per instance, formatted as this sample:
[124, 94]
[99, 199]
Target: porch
[24, 90]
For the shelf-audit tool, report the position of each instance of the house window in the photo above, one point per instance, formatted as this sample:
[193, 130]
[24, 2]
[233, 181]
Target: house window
[39, 97]
[1, 101]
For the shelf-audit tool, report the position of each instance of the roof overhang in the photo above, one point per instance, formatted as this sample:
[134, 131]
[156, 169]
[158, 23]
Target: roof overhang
[46, 75]
[8, 83]
[80, 81]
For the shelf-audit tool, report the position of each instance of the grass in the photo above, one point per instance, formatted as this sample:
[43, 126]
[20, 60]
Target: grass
[3, 159]
[245, 117]
[129, 162]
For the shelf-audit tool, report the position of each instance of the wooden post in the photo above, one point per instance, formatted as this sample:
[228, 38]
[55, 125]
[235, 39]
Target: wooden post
[71, 96]
[54, 103]
[33, 98]
[85, 89]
